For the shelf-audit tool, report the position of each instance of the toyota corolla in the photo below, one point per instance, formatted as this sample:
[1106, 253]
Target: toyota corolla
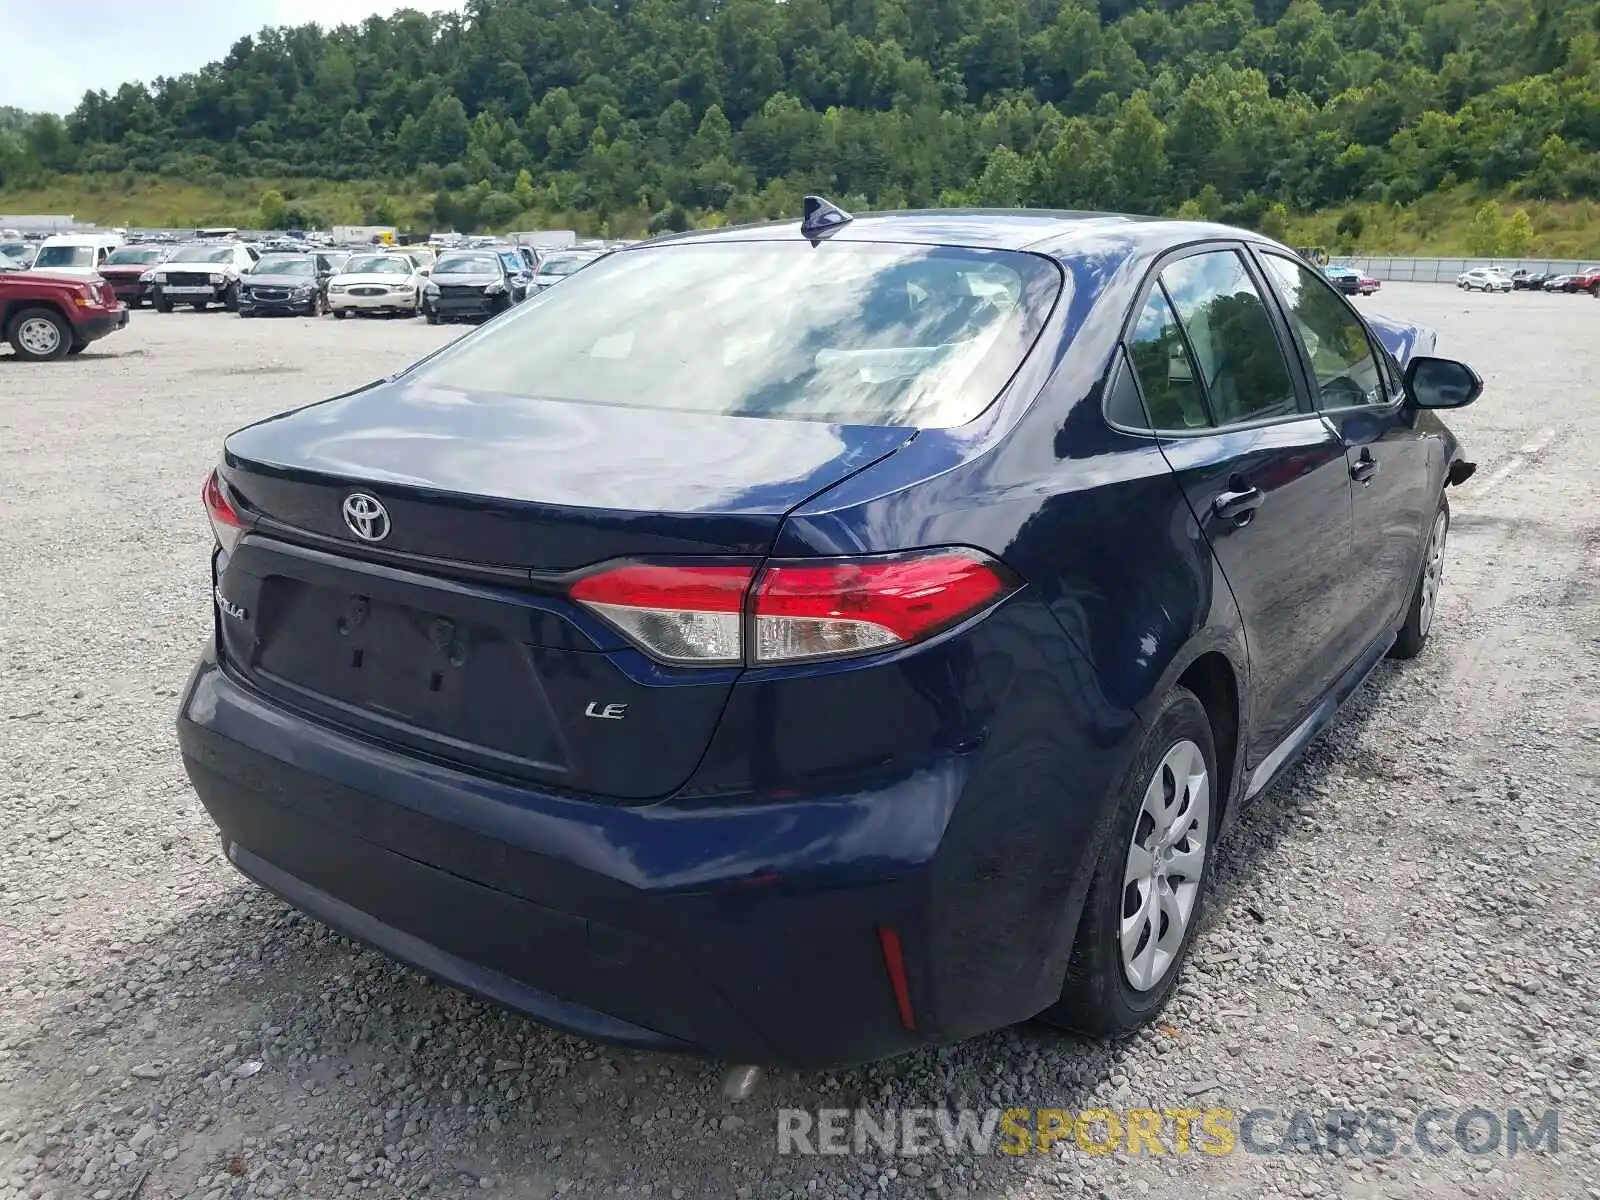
[808, 642]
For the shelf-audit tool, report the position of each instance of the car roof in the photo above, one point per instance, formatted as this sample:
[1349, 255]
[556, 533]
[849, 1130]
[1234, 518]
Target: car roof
[1048, 231]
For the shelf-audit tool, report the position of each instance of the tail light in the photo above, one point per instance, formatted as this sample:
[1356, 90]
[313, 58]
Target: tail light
[226, 522]
[792, 611]
[676, 614]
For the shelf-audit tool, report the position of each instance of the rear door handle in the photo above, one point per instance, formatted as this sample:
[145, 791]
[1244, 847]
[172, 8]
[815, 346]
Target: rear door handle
[1364, 468]
[1238, 505]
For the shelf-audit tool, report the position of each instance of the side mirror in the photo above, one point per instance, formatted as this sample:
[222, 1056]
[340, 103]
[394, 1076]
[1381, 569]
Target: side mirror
[1441, 383]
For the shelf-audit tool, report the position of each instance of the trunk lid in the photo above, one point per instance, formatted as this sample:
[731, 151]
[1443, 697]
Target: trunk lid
[452, 633]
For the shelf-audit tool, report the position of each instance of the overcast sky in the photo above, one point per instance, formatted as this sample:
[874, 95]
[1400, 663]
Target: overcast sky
[52, 51]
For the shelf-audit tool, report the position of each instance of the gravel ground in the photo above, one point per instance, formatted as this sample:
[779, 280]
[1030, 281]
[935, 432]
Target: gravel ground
[1408, 921]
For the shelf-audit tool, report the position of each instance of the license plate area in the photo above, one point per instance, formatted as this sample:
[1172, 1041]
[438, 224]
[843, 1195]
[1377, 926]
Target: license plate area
[407, 670]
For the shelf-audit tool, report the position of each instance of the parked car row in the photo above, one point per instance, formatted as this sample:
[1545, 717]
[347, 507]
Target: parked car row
[470, 284]
[1586, 280]
[69, 290]
[1351, 281]
[236, 276]
[1492, 279]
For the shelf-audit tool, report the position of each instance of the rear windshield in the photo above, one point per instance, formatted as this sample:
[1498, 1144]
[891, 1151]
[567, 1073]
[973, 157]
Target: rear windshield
[65, 256]
[850, 332]
[134, 256]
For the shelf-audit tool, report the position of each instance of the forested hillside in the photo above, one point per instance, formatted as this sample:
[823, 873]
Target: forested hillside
[665, 112]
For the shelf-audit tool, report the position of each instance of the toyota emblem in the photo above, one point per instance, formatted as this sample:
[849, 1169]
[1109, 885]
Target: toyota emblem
[367, 519]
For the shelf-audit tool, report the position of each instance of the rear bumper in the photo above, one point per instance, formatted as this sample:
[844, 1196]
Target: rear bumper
[749, 932]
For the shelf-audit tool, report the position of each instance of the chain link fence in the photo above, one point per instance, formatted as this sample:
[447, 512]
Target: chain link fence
[1445, 270]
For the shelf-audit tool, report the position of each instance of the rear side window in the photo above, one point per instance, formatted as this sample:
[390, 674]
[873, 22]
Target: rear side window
[1331, 338]
[850, 332]
[1167, 374]
[1231, 338]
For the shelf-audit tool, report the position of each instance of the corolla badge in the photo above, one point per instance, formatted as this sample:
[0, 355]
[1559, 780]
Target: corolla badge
[236, 611]
[366, 518]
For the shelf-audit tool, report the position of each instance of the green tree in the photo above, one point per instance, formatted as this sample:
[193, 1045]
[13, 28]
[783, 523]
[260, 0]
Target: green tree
[1139, 158]
[274, 209]
[1274, 221]
[1487, 231]
[1007, 178]
[1349, 228]
[498, 209]
[523, 189]
[1516, 239]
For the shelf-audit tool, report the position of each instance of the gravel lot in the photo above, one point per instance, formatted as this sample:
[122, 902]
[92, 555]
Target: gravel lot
[1408, 922]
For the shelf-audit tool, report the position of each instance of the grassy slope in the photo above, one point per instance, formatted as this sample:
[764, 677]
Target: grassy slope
[1439, 224]
[155, 201]
[1436, 224]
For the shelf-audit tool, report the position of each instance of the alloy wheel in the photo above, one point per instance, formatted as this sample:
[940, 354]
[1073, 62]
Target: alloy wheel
[1165, 863]
[1433, 573]
[39, 335]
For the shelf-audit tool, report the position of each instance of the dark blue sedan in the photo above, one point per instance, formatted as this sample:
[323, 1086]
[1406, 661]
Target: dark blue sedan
[809, 642]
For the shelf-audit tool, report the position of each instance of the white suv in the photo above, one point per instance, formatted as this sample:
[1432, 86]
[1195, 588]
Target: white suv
[201, 274]
[1484, 279]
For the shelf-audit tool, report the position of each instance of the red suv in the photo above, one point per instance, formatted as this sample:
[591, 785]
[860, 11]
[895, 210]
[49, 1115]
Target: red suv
[47, 316]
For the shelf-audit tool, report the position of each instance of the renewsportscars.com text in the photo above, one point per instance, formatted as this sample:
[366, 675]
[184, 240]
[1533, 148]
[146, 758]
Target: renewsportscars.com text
[1367, 1132]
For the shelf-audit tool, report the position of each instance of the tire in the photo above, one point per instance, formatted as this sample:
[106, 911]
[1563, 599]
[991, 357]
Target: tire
[40, 335]
[230, 298]
[430, 316]
[1424, 604]
[246, 313]
[163, 305]
[1100, 996]
[201, 305]
[78, 347]
[340, 314]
